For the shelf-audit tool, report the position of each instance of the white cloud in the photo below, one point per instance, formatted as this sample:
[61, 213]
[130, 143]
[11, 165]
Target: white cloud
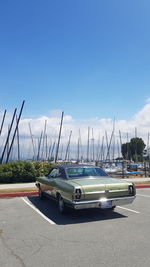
[142, 118]
[98, 127]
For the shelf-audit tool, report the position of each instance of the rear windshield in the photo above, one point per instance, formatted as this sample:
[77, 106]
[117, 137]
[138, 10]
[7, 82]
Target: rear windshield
[84, 172]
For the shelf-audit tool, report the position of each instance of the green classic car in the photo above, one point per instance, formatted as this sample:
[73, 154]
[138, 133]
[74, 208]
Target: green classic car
[83, 187]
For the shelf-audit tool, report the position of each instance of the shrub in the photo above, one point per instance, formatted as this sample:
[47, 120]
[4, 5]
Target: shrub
[47, 166]
[23, 171]
[38, 166]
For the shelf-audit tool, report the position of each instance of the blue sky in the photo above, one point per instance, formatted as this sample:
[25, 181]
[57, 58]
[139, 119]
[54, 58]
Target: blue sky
[87, 58]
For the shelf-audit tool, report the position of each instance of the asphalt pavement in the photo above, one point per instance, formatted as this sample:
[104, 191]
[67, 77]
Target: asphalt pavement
[80, 238]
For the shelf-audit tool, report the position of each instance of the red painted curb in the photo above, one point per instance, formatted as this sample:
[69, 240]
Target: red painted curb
[19, 194]
[142, 185]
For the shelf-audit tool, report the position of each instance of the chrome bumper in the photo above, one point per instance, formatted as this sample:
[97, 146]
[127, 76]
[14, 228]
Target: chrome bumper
[99, 203]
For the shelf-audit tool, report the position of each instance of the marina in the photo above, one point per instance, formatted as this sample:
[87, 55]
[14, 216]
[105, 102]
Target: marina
[105, 152]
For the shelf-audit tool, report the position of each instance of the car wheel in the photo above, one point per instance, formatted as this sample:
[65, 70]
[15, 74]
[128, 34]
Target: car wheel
[41, 196]
[61, 205]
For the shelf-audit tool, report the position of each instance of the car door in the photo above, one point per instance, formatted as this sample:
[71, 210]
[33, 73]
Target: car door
[52, 182]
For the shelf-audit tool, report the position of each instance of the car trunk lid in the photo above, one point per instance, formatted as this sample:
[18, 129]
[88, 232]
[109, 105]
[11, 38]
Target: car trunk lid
[96, 188]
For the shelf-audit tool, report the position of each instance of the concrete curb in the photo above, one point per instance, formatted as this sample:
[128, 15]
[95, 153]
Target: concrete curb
[35, 193]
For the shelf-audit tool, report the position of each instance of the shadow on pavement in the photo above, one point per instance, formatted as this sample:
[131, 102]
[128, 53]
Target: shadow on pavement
[50, 209]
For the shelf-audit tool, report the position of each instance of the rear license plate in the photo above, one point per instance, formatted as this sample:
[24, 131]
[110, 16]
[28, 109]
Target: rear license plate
[106, 204]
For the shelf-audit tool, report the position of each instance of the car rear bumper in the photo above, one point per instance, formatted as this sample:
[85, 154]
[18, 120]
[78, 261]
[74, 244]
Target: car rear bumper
[103, 203]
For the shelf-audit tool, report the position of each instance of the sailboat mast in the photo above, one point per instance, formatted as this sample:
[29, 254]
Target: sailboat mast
[2, 122]
[68, 146]
[57, 149]
[7, 139]
[18, 141]
[15, 131]
[32, 140]
[88, 144]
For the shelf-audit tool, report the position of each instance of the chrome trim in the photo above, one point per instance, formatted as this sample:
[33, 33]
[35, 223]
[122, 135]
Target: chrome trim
[96, 192]
[104, 191]
[96, 203]
[114, 191]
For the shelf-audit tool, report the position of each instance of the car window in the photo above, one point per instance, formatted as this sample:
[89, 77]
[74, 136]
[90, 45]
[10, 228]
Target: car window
[85, 172]
[54, 173]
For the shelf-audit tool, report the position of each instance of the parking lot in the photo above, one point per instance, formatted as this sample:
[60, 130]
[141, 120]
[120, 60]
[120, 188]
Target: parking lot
[33, 233]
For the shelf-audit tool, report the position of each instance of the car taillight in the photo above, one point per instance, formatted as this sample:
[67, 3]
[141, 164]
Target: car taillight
[131, 189]
[77, 194]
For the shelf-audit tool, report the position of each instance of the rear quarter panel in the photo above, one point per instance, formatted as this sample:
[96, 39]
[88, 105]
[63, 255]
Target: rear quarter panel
[57, 186]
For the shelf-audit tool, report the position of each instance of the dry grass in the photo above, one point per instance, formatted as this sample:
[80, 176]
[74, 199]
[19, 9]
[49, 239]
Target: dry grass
[148, 182]
[13, 190]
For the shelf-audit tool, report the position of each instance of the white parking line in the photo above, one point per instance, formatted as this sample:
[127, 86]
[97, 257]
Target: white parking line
[128, 209]
[35, 209]
[142, 195]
